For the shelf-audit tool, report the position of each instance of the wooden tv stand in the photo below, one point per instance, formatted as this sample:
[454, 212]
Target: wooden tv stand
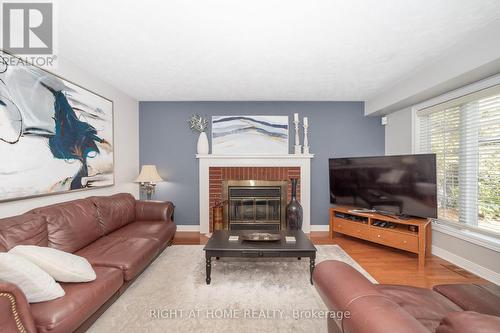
[360, 225]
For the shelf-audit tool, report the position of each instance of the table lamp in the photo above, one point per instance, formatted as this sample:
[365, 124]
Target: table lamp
[148, 178]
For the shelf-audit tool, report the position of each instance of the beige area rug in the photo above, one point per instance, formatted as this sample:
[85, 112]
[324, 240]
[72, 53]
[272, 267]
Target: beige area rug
[245, 295]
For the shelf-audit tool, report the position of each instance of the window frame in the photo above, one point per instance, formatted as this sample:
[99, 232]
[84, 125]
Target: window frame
[467, 232]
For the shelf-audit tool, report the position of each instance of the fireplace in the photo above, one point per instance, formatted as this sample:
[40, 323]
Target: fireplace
[254, 204]
[215, 170]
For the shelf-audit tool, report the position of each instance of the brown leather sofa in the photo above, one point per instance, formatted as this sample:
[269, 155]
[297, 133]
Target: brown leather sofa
[358, 306]
[118, 235]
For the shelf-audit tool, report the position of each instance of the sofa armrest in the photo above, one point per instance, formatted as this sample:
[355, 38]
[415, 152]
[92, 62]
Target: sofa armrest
[154, 210]
[339, 284]
[15, 313]
[365, 310]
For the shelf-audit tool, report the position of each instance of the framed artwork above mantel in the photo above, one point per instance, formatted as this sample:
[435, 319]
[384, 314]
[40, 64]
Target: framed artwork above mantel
[55, 136]
[250, 135]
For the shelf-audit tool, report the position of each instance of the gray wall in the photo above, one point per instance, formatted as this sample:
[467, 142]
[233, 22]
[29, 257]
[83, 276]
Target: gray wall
[337, 129]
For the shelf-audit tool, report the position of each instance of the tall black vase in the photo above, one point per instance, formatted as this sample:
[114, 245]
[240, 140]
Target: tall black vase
[294, 210]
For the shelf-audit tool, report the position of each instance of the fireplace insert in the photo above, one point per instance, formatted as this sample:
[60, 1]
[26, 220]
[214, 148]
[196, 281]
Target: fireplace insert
[254, 204]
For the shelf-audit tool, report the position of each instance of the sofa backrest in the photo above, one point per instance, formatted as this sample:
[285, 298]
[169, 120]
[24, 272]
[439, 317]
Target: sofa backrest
[71, 225]
[26, 229]
[114, 211]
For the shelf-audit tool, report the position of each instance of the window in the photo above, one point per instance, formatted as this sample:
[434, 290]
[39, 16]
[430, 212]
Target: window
[464, 133]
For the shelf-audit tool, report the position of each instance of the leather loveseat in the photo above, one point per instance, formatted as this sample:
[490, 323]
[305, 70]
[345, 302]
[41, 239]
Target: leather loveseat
[118, 235]
[358, 306]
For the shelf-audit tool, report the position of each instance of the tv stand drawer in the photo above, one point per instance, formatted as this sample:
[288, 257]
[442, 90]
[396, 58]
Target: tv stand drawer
[355, 229]
[395, 239]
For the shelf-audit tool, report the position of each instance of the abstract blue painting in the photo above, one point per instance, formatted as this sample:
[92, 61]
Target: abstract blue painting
[55, 136]
[250, 135]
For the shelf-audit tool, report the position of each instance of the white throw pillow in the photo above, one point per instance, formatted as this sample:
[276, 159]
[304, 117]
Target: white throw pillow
[62, 266]
[37, 285]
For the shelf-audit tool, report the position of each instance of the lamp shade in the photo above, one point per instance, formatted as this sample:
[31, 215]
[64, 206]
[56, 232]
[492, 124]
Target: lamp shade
[149, 174]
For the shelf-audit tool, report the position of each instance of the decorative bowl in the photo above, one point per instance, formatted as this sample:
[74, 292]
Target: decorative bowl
[261, 237]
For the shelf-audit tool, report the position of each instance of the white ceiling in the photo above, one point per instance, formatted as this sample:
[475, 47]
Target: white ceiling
[263, 49]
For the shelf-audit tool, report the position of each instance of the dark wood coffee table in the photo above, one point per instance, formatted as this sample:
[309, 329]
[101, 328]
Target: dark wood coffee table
[219, 246]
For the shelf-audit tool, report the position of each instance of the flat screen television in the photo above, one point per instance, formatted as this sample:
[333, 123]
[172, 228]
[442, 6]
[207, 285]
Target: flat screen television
[398, 185]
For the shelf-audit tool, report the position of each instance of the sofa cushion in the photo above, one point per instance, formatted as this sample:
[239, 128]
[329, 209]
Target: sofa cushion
[471, 297]
[131, 255]
[428, 307]
[469, 322]
[115, 211]
[80, 302]
[161, 231]
[71, 225]
[26, 229]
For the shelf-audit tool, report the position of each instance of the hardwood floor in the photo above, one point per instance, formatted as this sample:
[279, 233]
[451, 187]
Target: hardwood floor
[385, 264]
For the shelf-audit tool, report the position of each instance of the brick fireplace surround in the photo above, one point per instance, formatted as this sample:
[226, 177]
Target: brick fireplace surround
[213, 169]
[219, 174]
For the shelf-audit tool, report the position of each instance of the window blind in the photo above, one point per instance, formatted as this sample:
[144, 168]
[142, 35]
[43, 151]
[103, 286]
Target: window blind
[465, 136]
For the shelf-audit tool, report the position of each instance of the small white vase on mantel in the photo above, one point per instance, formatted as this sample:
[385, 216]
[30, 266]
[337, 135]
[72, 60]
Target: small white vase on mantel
[202, 146]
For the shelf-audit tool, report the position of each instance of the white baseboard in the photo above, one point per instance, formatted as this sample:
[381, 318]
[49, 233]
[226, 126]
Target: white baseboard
[320, 227]
[188, 227]
[479, 270]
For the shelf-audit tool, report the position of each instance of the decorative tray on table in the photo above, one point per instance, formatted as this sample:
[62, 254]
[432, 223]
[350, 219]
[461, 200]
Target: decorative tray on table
[261, 237]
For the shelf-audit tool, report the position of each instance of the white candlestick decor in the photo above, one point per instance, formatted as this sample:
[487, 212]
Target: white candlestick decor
[306, 141]
[296, 122]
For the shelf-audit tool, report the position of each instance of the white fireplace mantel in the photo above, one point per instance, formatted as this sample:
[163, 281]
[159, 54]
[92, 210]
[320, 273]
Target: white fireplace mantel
[290, 160]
